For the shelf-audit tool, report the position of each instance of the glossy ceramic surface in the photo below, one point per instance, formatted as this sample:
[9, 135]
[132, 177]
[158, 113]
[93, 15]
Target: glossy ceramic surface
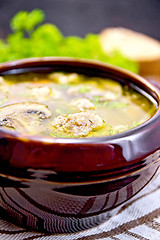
[67, 185]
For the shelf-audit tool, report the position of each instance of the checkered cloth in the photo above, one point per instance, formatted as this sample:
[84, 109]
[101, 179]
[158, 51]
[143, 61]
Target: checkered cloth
[138, 219]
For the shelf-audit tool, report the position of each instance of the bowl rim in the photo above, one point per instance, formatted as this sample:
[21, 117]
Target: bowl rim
[10, 65]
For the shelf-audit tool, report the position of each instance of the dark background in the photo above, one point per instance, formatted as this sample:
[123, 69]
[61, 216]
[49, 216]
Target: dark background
[79, 17]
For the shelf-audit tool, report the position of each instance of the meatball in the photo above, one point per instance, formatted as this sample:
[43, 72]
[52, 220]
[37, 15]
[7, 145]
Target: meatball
[42, 93]
[79, 124]
[83, 104]
[62, 78]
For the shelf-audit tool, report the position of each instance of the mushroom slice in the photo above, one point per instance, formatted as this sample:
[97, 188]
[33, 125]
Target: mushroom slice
[79, 124]
[24, 117]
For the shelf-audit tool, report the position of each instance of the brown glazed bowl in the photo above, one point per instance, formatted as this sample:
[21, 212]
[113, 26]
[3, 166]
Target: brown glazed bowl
[67, 185]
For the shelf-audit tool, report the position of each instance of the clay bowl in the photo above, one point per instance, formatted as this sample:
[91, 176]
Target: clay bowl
[67, 185]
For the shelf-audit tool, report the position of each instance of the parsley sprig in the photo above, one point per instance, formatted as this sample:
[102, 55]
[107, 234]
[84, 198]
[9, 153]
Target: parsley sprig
[31, 38]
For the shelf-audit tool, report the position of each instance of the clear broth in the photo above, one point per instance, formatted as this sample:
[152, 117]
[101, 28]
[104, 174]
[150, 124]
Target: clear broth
[80, 106]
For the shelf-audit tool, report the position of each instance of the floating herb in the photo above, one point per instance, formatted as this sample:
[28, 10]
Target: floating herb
[136, 124]
[3, 100]
[84, 89]
[115, 105]
[97, 99]
[61, 135]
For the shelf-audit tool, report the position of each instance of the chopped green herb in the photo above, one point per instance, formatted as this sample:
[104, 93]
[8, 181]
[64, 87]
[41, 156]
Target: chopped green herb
[128, 127]
[110, 132]
[115, 105]
[3, 100]
[136, 123]
[84, 89]
[97, 98]
[61, 135]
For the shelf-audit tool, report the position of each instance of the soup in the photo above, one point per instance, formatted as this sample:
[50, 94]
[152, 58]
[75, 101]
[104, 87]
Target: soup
[70, 105]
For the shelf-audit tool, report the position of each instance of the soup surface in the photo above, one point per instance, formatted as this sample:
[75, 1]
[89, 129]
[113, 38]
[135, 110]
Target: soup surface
[70, 105]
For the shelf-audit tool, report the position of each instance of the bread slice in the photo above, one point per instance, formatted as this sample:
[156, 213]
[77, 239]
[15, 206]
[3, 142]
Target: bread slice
[135, 46]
